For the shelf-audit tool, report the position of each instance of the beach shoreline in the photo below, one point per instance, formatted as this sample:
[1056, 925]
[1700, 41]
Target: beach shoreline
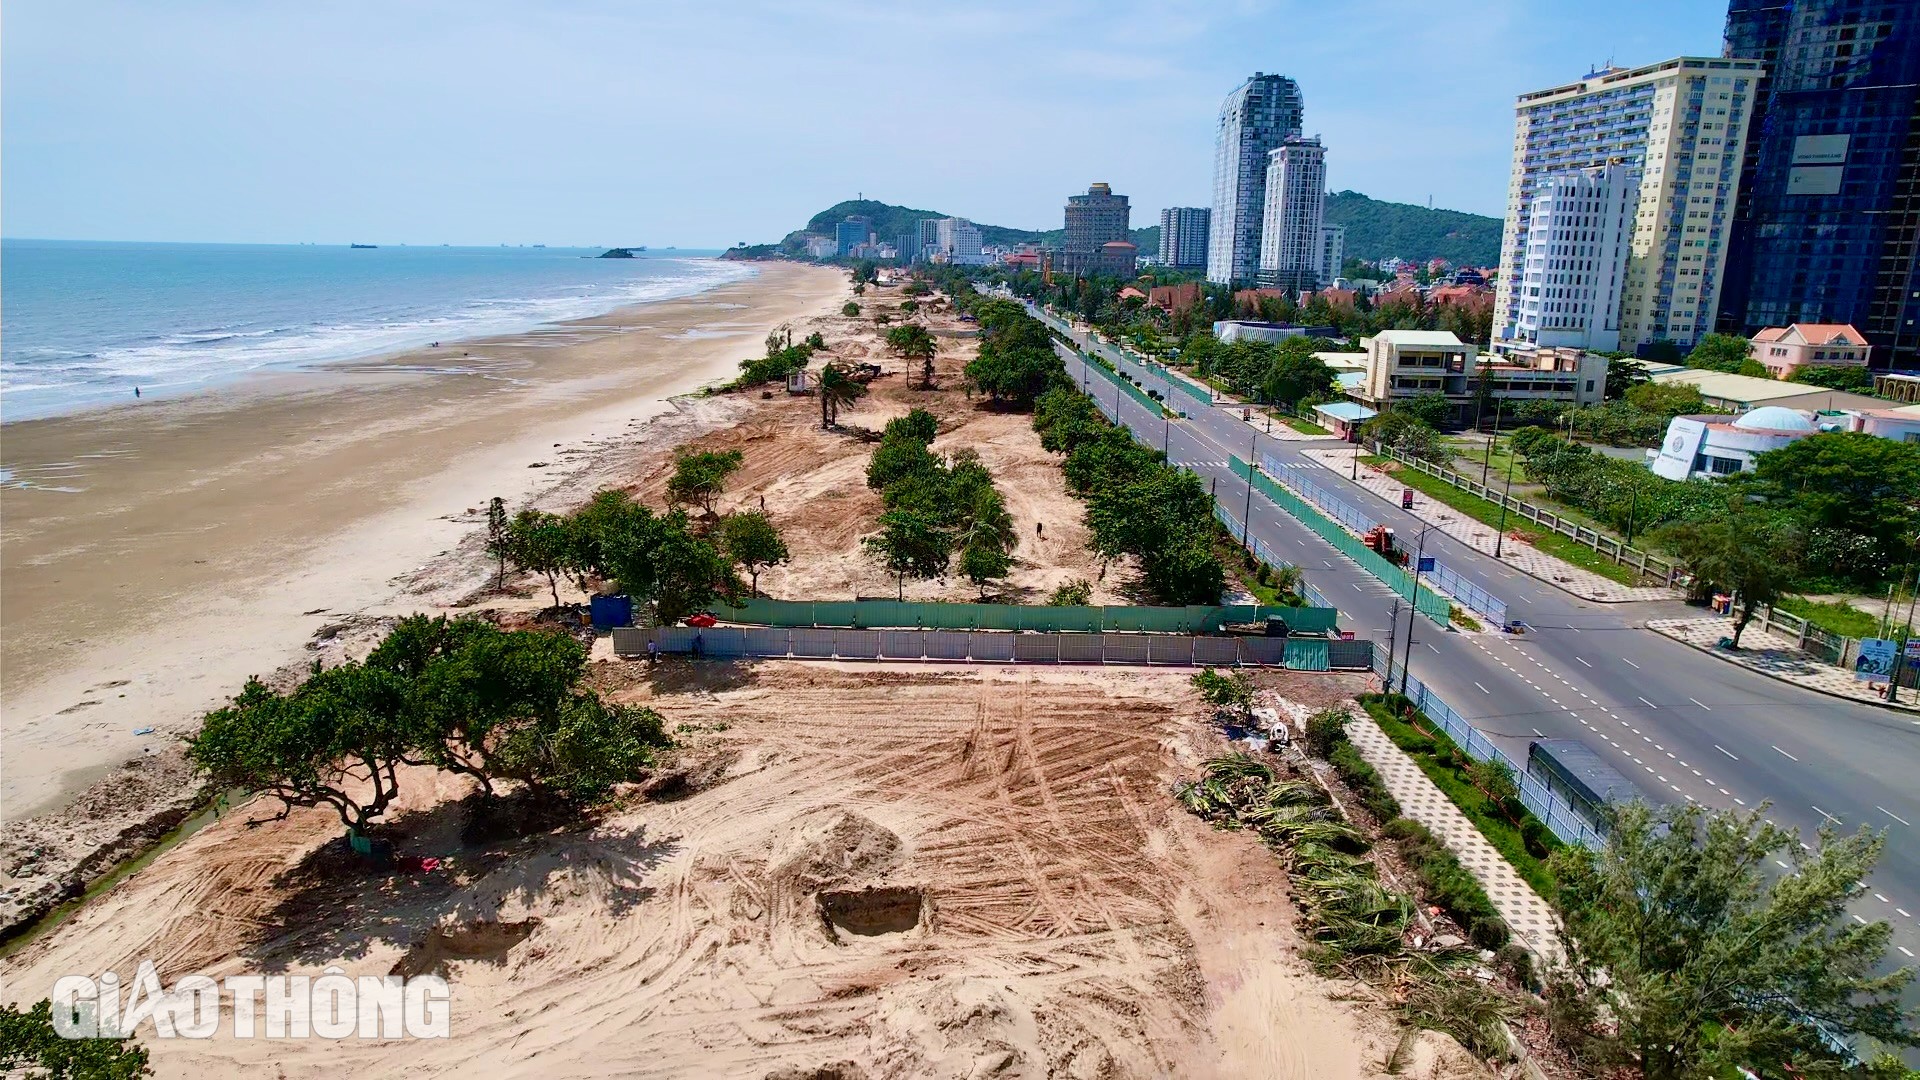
[205, 538]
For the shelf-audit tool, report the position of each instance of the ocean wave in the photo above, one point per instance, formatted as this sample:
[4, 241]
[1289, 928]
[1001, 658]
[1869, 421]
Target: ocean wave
[43, 380]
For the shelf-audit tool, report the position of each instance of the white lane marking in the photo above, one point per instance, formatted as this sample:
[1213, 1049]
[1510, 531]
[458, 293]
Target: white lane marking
[1789, 757]
[1583, 661]
[1904, 949]
[1781, 865]
[1859, 920]
[1882, 899]
[1894, 816]
[1629, 663]
[1649, 704]
[1741, 801]
[1824, 814]
[1700, 703]
[1540, 733]
[1483, 689]
[1903, 913]
[1430, 645]
[1725, 751]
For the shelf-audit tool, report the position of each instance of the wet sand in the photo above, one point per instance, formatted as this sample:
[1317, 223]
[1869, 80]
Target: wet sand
[163, 552]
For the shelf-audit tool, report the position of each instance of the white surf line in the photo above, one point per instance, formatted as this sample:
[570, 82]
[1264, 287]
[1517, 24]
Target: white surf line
[1789, 757]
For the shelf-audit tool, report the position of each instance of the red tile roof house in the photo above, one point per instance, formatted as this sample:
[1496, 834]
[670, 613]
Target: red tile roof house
[1785, 350]
[1175, 298]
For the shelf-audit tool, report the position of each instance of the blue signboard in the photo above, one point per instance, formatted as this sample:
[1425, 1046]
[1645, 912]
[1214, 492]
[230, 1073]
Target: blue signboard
[1426, 564]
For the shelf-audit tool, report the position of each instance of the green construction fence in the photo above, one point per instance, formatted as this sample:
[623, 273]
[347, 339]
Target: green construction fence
[872, 614]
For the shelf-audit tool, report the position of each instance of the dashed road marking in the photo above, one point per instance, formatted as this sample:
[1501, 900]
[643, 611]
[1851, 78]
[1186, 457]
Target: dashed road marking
[1700, 703]
[1789, 757]
[1894, 816]
[1630, 663]
[1725, 751]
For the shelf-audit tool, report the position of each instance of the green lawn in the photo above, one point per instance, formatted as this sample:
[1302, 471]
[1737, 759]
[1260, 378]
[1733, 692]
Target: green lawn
[1843, 619]
[1483, 511]
[1443, 762]
[1304, 427]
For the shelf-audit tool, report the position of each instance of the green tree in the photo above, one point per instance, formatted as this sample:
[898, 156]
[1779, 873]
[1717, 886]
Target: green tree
[1747, 550]
[1428, 408]
[1847, 480]
[1857, 379]
[1403, 432]
[337, 741]
[1297, 374]
[690, 572]
[1623, 374]
[850, 309]
[910, 543]
[1719, 352]
[918, 425]
[1709, 961]
[542, 543]
[1231, 692]
[30, 1047]
[1075, 593]
[912, 342]
[700, 476]
[1666, 399]
[753, 544]
[586, 748]
[837, 389]
[982, 562]
[498, 544]
[896, 458]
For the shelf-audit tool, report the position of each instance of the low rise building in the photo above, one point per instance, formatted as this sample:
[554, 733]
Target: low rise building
[1717, 446]
[1401, 364]
[1740, 393]
[822, 247]
[1232, 330]
[1174, 299]
[1900, 425]
[1785, 350]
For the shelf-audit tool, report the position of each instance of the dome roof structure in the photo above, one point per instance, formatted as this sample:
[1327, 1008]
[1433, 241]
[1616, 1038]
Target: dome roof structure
[1774, 418]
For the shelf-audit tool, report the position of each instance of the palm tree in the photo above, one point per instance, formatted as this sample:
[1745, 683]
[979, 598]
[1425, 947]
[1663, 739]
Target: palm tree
[837, 388]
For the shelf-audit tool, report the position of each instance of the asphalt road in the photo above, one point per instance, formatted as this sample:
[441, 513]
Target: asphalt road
[1674, 720]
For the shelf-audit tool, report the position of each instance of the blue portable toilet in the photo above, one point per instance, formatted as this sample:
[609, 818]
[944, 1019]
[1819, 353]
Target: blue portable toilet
[610, 611]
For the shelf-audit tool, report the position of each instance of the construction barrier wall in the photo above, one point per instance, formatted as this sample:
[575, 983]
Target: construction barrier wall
[1180, 650]
[881, 614]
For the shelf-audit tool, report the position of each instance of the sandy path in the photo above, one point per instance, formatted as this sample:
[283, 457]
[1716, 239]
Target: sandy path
[1074, 923]
[213, 534]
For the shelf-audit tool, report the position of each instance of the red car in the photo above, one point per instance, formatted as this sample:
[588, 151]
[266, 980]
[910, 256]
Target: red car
[703, 619]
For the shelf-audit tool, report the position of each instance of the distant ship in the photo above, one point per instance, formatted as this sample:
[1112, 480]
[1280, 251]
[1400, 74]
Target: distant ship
[539, 245]
[368, 247]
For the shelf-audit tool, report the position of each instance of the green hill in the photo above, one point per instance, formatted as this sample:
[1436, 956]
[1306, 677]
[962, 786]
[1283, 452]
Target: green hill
[1375, 230]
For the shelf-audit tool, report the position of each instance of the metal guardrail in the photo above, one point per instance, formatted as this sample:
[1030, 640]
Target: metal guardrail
[986, 646]
[1556, 813]
[1442, 576]
[1653, 566]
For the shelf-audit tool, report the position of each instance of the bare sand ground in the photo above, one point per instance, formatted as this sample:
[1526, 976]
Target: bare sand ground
[1055, 913]
[208, 537]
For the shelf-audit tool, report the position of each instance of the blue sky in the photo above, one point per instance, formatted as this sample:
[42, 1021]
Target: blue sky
[702, 124]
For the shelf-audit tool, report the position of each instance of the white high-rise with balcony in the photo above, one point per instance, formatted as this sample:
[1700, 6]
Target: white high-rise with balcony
[959, 240]
[1578, 235]
[1333, 251]
[1292, 251]
[1183, 236]
[1259, 115]
[1678, 128]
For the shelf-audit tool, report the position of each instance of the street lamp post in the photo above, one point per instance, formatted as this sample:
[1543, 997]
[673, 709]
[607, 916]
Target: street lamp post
[1246, 521]
[1498, 404]
[1166, 433]
[1500, 534]
[1413, 608]
[1633, 509]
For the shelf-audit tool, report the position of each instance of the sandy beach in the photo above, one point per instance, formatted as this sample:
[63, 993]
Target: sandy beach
[162, 553]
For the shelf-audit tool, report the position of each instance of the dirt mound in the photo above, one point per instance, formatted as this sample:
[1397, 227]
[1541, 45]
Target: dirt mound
[874, 910]
[832, 848]
[833, 1070]
[481, 939]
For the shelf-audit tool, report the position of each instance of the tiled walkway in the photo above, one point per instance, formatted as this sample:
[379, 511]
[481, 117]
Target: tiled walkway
[1529, 917]
[1776, 657]
[1518, 554]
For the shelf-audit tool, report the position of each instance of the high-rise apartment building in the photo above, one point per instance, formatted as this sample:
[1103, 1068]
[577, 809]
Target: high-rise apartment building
[959, 240]
[1183, 236]
[1260, 114]
[906, 246]
[1828, 221]
[850, 234]
[1292, 250]
[1578, 235]
[1333, 252]
[1095, 220]
[1677, 126]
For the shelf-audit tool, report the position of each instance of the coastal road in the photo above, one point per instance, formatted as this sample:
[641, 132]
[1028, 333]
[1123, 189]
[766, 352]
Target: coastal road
[1674, 720]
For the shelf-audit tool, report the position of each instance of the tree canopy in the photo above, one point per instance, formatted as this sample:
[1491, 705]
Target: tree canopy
[1709, 961]
[699, 476]
[1719, 352]
[1746, 550]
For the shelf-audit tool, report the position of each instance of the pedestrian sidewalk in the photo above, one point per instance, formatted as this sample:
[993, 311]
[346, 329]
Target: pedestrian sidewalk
[1776, 657]
[1530, 918]
[1518, 554]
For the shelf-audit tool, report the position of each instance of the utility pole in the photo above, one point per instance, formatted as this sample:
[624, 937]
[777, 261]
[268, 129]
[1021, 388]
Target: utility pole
[1498, 404]
[1246, 522]
[1413, 608]
[1500, 534]
[1633, 509]
[1900, 657]
[1166, 431]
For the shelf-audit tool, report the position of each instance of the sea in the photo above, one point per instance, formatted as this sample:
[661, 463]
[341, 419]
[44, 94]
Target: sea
[84, 323]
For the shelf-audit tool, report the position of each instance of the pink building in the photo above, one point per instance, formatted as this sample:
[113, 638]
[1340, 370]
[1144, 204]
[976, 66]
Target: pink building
[1787, 350]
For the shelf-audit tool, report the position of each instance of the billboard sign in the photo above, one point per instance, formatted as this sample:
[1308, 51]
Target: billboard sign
[1875, 661]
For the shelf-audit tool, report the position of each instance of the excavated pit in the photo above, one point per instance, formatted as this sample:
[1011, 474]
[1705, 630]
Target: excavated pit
[873, 911]
[481, 939]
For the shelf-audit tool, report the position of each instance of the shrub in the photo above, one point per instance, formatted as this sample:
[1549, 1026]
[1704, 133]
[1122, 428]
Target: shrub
[1075, 593]
[1365, 782]
[1324, 729]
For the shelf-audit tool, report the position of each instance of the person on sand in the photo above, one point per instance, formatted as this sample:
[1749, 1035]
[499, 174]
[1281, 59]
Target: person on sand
[1039, 528]
[699, 641]
[653, 653]
[136, 391]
